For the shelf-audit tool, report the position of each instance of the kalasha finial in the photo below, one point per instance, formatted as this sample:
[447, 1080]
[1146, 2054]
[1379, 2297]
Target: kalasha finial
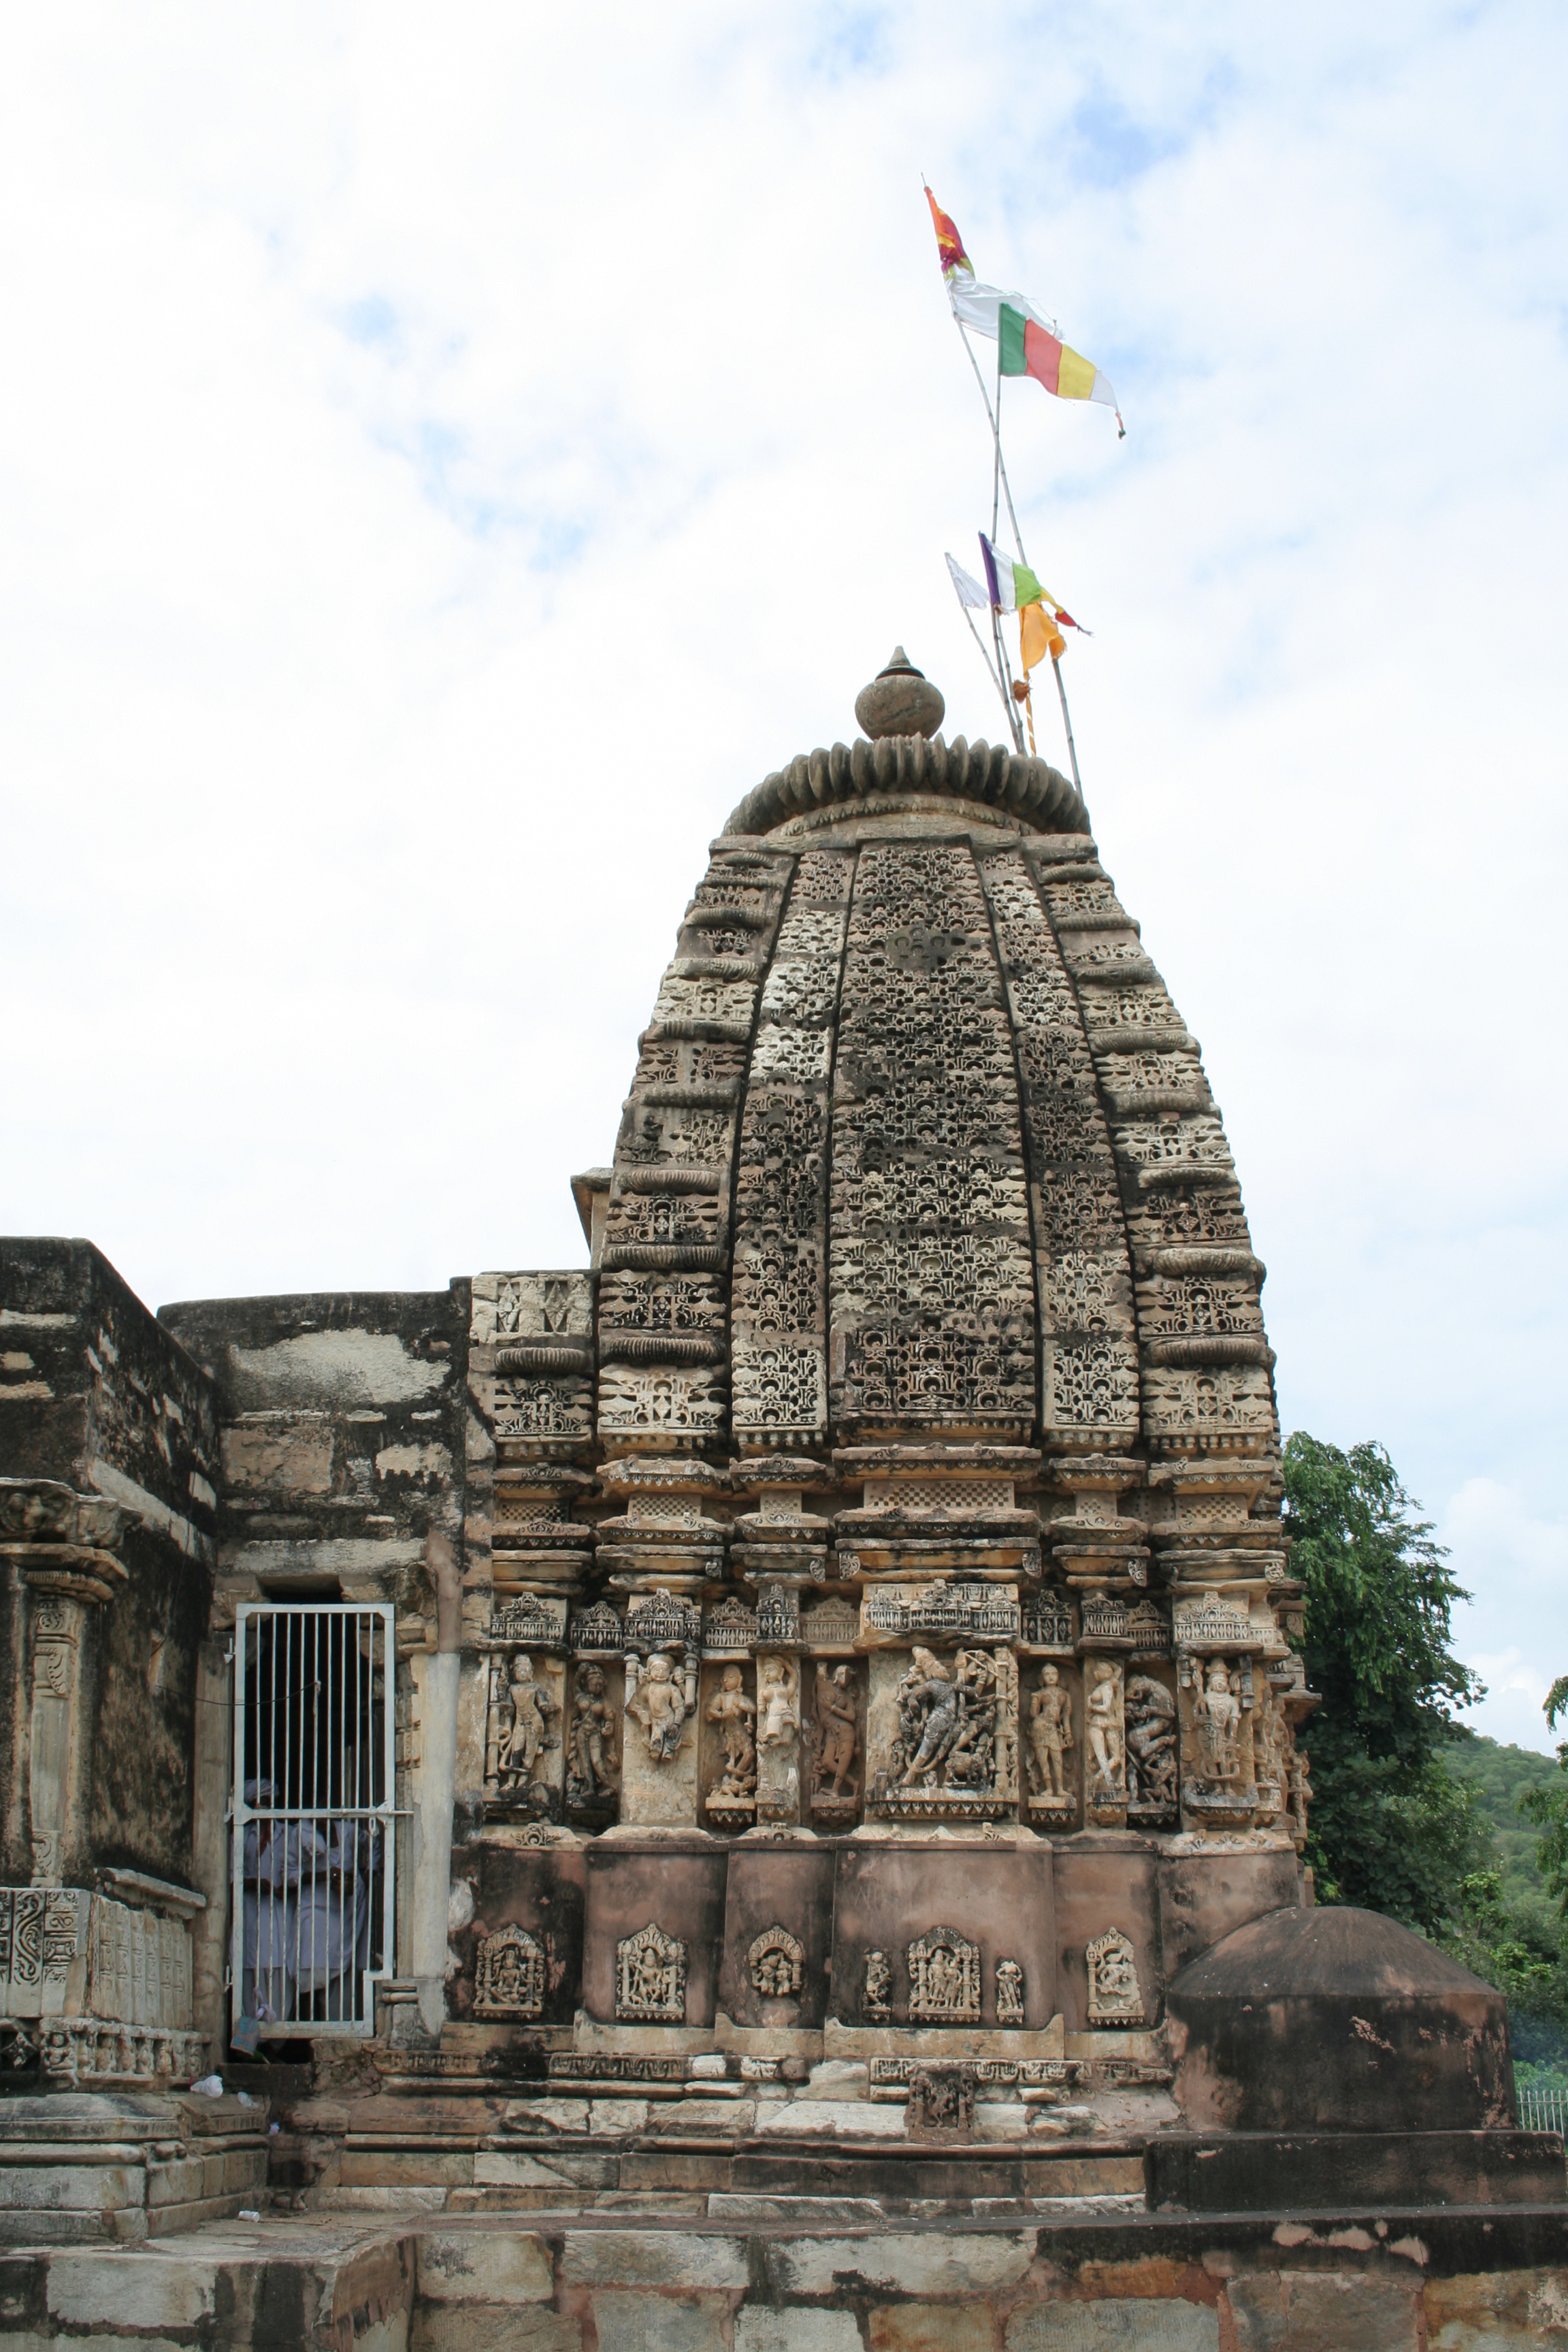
[900, 700]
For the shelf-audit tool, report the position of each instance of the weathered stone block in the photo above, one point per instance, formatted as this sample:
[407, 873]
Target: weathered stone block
[1325, 2310]
[659, 2323]
[1497, 2311]
[1118, 2324]
[760, 2330]
[844, 2116]
[931, 2327]
[86, 2289]
[652, 2258]
[482, 2266]
[490, 2327]
[961, 2264]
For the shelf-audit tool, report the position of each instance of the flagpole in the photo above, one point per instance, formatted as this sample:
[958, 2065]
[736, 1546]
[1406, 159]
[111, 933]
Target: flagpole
[1066, 723]
[980, 641]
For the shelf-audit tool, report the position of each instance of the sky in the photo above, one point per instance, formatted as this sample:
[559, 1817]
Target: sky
[448, 458]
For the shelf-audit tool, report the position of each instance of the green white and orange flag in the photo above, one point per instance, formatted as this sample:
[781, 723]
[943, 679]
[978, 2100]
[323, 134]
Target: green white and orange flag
[1027, 344]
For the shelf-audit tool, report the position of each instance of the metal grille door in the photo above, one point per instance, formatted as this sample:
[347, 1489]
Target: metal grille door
[313, 1818]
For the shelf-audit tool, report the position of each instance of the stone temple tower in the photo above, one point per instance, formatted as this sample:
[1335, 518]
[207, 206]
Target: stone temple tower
[923, 1367]
[686, 1732]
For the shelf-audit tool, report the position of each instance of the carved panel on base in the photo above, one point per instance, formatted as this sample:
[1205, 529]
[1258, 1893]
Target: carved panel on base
[650, 1978]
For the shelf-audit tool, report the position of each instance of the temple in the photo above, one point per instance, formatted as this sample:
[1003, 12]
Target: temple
[804, 1712]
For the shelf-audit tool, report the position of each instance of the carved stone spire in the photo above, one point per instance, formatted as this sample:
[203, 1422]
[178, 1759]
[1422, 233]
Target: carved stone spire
[900, 700]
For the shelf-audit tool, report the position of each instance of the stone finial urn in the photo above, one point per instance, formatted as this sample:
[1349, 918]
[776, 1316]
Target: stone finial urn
[900, 700]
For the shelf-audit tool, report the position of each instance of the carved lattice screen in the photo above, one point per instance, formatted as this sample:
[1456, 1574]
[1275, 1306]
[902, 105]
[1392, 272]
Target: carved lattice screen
[313, 1846]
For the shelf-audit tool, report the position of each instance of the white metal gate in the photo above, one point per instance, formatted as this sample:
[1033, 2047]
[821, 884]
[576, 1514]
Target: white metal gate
[313, 1845]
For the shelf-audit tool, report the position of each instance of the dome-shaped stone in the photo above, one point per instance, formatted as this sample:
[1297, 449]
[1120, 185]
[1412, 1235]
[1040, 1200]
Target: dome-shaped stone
[1337, 2020]
[899, 700]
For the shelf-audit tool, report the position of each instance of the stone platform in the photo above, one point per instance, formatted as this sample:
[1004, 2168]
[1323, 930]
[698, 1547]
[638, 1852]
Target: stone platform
[820, 2275]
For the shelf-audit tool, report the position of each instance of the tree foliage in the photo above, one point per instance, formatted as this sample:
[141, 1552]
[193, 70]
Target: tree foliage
[1392, 1828]
[1547, 1806]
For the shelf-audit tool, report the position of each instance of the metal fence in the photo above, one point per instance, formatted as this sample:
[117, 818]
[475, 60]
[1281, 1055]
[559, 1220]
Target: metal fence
[313, 1818]
[1543, 2110]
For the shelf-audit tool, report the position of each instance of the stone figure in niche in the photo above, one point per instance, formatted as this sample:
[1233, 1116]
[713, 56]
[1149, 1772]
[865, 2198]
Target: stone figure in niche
[660, 1700]
[971, 1757]
[777, 1962]
[1151, 1745]
[1009, 1993]
[1050, 1735]
[730, 1709]
[1114, 1998]
[508, 1975]
[1268, 1751]
[1104, 1734]
[876, 1993]
[941, 2102]
[945, 1979]
[531, 1706]
[837, 1737]
[591, 1759]
[650, 1976]
[1216, 1711]
[930, 1702]
[777, 1685]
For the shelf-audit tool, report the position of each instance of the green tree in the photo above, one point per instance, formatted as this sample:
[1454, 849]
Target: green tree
[1392, 1828]
[1547, 1805]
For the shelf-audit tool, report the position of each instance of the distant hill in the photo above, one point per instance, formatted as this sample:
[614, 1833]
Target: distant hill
[1499, 1775]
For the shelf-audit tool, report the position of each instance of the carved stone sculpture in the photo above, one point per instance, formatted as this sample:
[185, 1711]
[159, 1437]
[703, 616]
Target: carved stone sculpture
[875, 1993]
[1150, 1713]
[650, 1978]
[836, 1742]
[1049, 1742]
[661, 1699]
[778, 1740]
[1105, 1746]
[1216, 1711]
[529, 1733]
[508, 1975]
[732, 1712]
[1009, 1993]
[1114, 1998]
[593, 1758]
[945, 1979]
[776, 1964]
[941, 2100]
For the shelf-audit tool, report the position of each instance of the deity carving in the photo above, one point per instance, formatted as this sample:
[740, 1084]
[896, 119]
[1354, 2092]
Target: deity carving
[662, 1699]
[1103, 1739]
[1216, 1716]
[528, 1733]
[776, 1964]
[650, 1978]
[1150, 1713]
[1009, 1993]
[778, 1739]
[733, 1713]
[836, 1741]
[948, 1723]
[941, 2099]
[1050, 1737]
[877, 1988]
[508, 1975]
[945, 1979]
[1114, 1998]
[592, 1759]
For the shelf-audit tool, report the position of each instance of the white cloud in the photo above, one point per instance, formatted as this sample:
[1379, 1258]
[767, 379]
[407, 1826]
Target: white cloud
[446, 460]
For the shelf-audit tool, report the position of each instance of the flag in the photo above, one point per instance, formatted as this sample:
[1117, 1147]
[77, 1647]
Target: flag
[1027, 343]
[969, 590]
[1038, 635]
